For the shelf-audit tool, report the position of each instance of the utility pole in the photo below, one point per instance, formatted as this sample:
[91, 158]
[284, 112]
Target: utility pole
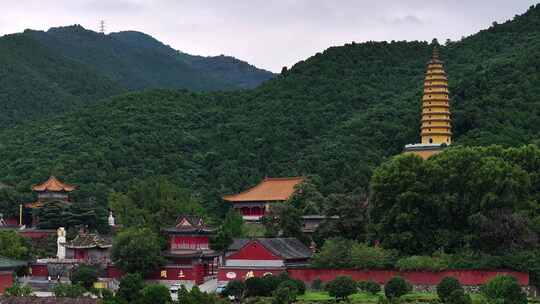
[102, 26]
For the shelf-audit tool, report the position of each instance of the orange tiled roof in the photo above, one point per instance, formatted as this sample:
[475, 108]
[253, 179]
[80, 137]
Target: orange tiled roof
[270, 189]
[53, 184]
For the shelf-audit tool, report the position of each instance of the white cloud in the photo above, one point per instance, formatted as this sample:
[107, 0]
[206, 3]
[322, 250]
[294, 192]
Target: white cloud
[267, 33]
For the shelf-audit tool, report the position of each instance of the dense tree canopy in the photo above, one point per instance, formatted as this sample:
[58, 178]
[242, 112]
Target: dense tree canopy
[479, 198]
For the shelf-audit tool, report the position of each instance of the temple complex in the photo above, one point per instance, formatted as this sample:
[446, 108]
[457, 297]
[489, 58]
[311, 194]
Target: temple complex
[254, 202]
[189, 255]
[52, 190]
[436, 129]
[89, 248]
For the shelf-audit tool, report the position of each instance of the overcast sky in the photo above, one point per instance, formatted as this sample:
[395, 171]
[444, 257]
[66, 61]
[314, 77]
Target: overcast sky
[267, 33]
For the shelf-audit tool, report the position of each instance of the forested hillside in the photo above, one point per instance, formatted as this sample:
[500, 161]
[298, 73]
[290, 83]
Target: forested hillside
[337, 115]
[43, 74]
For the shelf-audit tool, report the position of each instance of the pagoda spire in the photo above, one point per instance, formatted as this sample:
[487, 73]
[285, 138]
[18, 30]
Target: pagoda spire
[436, 121]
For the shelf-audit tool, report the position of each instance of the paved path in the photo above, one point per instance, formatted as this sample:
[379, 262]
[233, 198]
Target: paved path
[209, 286]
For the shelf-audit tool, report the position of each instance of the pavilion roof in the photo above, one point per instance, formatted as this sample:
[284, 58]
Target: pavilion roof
[54, 185]
[287, 248]
[88, 240]
[270, 189]
[190, 224]
[10, 264]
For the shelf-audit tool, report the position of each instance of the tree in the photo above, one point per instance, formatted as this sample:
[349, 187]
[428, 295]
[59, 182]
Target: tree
[285, 293]
[284, 220]
[85, 276]
[446, 287]
[369, 286]
[341, 287]
[13, 246]
[156, 294]
[335, 253]
[153, 203]
[137, 250]
[368, 257]
[235, 288]
[256, 287]
[130, 287]
[51, 215]
[88, 214]
[18, 290]
[459, 296]
[396, 287]
[62, 290]
[232, 227]
[504, 289]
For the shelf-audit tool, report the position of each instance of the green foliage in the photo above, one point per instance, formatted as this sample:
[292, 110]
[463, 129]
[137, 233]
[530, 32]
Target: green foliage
[317, 284]
[137, 250]
[62, 290]
[459, 296]
[130, 288]
[285, 293]
[85, 276]
[155, 294]
[284, 220]
[446, 287]
[256, 287]
[195, 296]
[396, 287]
[368, 257]
[154, 203]
[480, 198]
[504, 289]
[232, 227]
[335, 253]
[14, 246]
[341, 287]
[18, 290]
[417, 262]
[235, 288]
[369, 287]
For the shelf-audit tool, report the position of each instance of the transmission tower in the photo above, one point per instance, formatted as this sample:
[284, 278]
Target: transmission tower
[102, 26]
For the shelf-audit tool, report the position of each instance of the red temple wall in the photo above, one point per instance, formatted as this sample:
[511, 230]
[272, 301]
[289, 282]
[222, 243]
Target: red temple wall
[253, 251]
[178, 241]
[39, 270]
[6, 280]
[226, 274]
[36, 234]
[465, 277]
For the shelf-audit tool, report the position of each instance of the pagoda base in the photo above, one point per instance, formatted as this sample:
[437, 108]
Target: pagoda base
[424, 150]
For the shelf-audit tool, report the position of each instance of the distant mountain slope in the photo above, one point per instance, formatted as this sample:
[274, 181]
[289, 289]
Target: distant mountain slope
[36, 82]
[138, 61]
[337, 114]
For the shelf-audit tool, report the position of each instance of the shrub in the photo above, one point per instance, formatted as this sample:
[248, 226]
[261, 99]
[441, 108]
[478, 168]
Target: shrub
[85, 276]
[68, 291]
[396, 287]
[417, 262]
[255, 287]
[155, 294]
[317, 284]
[285, 294]
[335, 253]
[366, 257]
[18, 290]
[458, 296]
[341, 287]
[504, 289]
[300, 286]
[446, 287]
[235, 288]
[369, 287]
[131, 286]
[271, 283]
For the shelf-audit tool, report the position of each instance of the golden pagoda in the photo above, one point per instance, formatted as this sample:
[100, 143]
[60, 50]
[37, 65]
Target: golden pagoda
[436, 128]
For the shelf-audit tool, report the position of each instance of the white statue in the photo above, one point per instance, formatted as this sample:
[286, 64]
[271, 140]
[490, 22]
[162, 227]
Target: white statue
[111, 219]
[60, 243]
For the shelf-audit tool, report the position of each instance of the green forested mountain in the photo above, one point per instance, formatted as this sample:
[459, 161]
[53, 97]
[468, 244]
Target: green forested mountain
[138, 61]
[337, 115]
[43, 74]
[35, 82]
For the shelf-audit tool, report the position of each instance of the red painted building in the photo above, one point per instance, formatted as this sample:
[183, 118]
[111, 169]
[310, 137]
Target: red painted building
[257, 257]
[7, 269]
[189, 257]
[254, 202]
[89, 248]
